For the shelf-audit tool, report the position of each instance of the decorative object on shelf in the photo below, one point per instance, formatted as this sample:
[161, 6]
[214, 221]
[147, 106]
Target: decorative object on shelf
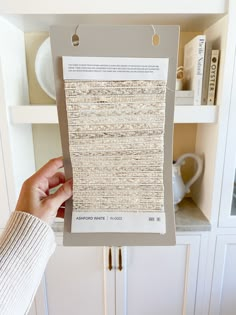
[180, 189]
[44, 69]
[179, 78]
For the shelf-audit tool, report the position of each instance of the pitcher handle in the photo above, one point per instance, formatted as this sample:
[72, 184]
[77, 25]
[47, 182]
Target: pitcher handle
[199, 161]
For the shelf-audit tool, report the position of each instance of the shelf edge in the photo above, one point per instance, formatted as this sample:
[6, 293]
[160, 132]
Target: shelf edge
[47, 114]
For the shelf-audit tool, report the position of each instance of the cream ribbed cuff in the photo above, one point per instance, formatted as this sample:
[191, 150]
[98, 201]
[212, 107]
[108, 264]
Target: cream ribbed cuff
[25, 248]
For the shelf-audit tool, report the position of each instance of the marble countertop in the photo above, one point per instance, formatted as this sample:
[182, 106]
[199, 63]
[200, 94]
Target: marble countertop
[190, 218]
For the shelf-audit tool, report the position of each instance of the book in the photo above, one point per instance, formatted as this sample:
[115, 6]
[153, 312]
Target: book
[184, 93]
[206, 72]
[184, 101]
[184, 97]
[194, 52]
[213, 77]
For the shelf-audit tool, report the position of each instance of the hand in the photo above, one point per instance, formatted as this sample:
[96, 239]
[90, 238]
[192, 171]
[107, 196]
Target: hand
[34, 196]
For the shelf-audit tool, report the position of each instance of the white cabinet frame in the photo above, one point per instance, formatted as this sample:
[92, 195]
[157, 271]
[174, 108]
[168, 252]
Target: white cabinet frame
[225, 217]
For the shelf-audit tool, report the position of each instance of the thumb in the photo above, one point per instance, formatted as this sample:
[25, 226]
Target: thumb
[62, 194]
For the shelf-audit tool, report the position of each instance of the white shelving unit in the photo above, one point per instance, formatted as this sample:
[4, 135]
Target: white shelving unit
[47, 114]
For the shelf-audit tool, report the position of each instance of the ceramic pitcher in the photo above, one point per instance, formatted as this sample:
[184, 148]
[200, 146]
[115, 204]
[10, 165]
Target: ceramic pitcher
[179, 187]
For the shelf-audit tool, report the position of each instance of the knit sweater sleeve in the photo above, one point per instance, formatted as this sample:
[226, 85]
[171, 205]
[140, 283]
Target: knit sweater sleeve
[25, 248]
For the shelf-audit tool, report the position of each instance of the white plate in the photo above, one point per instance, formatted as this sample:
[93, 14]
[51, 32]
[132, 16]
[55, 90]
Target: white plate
[44, 69]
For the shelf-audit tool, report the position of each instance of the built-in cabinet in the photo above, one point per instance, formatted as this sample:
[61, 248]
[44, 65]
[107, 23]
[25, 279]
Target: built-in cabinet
[197, 275]
[148, 268]
[74, 281]
[222, 301]
[127, 280]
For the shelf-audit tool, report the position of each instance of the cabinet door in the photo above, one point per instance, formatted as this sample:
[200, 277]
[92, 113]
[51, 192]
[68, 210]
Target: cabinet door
[223, 300]
[228, 195]
[163, 280]
[4, 209]
[73, 283]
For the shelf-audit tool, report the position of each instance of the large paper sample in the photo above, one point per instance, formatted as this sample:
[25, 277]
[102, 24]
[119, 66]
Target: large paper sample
[116, 143]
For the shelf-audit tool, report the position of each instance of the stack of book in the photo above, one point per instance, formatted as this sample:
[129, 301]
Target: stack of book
[184, 97]
[200, 70]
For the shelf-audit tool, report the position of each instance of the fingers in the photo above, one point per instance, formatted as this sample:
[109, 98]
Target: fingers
[34, 197]
[49, 169]
[61, 195]
[55, 180]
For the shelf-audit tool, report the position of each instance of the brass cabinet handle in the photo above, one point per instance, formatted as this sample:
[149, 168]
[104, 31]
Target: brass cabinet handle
[120, 267]
[110, 259]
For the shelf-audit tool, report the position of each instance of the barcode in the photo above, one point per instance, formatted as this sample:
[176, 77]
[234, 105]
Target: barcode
[152, 219]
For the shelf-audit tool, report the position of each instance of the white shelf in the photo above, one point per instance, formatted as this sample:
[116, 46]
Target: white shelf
[196, 114]
[47, 114]
[109, 7]
[187, 17]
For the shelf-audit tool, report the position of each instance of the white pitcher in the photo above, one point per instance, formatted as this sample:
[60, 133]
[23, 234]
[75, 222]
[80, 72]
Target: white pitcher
[179, 187]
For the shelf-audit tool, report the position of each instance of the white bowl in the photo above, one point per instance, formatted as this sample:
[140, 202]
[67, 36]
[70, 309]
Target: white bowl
[44, 69]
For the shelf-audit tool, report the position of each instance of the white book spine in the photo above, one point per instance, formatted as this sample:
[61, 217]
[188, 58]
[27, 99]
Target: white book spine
[200, 67]
[184, 101]
[213, 77]
[193, 66]
[198, 89]
[206, 71]
[183, 93]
